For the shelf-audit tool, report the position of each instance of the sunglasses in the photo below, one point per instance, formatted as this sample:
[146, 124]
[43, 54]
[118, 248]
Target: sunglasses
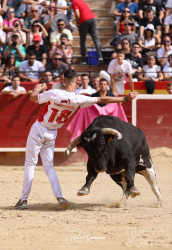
[34, 11]
[166, 41]
[51, 8]
[60, 25]
[126, 11]
[9, 12]
[124, 43]
[127, 24]
[36, 26]
[48, 75]
[56, 59]
[169, 60]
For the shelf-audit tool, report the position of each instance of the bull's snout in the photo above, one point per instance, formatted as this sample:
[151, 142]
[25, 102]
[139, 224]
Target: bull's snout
[100, 170]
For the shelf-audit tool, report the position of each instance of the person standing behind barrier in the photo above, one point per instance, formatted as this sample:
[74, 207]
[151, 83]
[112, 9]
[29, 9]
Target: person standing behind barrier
[169, 88]
[86, 23]
[15, 90]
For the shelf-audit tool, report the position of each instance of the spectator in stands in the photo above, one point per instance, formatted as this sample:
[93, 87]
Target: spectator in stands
[170, 32]
[167, 23]
[61, 47]
[135, 61]
[50, 20]
[167, 70]
[55, 36]
[103, 91]
[15, 90]
[150, 19]
[86, 23]
[48, 77]
[17, 30]
[149, 42]
[59, 84]
[151, 4]
[2, 42]
[130, 35]
[34, 16]
[85, 89]
[151, 71]
[127, 4]
[163, 53]
[16, 49]
[1, 22]
[95, 82]
[57, 67]
[8, 23]
[20, 6]
[168, 8]
[40, 82]
[39, 50]
[40, 8]
[61, 3]
[8, 69]
[169, 88]
[31, 69]
[126, 45]
[79, 83]
[126, 15]
[37, 29]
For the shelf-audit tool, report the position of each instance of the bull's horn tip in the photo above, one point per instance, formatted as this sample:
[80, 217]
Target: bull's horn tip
[67, 152]
[119, 137]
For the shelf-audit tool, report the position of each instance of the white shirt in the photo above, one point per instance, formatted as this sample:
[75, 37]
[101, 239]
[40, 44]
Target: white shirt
[151, 72]
[62, 3]
[1, 19]
[10, 88]
[169, 4]
[161, 52]
[150, 43]
[168, 20]
[167, 69]
[31, 71]
[88, 91]
[60, 107]
[120, 72]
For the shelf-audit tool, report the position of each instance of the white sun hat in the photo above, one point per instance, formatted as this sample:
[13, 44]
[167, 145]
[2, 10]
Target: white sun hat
[150, 27]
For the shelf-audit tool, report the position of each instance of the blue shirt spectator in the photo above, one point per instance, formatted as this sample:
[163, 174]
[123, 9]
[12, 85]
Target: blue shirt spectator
[132, 6]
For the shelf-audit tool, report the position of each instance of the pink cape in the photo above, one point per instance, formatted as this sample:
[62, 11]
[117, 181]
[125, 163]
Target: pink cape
[85, 116]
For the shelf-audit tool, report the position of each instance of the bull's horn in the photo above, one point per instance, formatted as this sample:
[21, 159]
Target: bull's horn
[110, 131]
[72, 145]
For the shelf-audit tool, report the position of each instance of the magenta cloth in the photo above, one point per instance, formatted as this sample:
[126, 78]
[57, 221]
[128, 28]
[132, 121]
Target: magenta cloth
[85, 116]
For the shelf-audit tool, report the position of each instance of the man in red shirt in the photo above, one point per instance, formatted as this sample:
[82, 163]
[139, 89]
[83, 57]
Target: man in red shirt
[86, 22]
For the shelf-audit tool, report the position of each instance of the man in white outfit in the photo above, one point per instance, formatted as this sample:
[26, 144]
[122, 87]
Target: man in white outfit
[61, 104]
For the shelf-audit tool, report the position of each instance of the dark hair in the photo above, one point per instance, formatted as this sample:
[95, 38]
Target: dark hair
[84, 75]
[15, 77]
[120, 51]
[31, 53]
[169, 84]
[47, 71]
[42, 81]
[103, 80]
[122, 17]
[60, 20]
[135, 44]
[15, 36]
[70, 74]
[17, 21]
[57, 54]
[126, 40]
[166, 35]
[64, 35]
[7, 63]
[35, 22]
[145, 34]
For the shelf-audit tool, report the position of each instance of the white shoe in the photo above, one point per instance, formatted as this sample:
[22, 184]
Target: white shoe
[65, 204]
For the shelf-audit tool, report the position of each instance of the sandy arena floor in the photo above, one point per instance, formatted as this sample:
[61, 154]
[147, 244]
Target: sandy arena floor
[96, 223]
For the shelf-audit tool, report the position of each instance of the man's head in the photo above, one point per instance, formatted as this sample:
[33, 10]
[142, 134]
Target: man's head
[34, 10]
[36, 41]
[52, 7]
[60, 25]
[31, 56]
[15, 40]
[166, 41]
[85, 81]
[10, 13]
[120, 56]
[57, 60]
[135, 48]
[127, 26]
[15, 82]
[103, 84]
[170, 60]
[44, 84]
[70, 77]
[127, 2]
[149, 12]
[64, 38]
[170, 29]
[48, 76]
[95, 82]
[151, 61]
[169, 88]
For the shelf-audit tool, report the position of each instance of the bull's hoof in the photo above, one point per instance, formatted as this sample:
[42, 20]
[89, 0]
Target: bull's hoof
[83, 191]
[134, 192]
[160, 204]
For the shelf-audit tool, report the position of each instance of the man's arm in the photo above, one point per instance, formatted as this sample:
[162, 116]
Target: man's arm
[64, 7]
[131, 83]
[159, 31]
[161, 15]
[77, 16]
[38, 88]
[112, 84]
[44, 59]
[23, 76]
[20, 54]
[109, 99]
[167, 12]
[140, 14]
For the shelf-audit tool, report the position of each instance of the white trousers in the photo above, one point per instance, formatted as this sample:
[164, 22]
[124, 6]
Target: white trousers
[40, 140]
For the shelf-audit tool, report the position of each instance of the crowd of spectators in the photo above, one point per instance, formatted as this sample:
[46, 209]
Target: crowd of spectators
[36, 41]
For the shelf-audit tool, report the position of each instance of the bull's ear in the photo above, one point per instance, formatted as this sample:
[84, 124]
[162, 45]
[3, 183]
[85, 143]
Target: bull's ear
[79, 146]
[110, 139]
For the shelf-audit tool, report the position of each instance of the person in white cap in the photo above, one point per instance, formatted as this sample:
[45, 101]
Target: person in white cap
[149, 42]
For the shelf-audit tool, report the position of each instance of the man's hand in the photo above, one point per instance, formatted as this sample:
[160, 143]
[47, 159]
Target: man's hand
[167, 48]
[131, 96]
[41, 87]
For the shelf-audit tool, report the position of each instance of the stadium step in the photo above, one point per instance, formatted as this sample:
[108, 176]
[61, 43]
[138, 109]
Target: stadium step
[83, 68]
[104, 40]
[99, 4]
[77, 49]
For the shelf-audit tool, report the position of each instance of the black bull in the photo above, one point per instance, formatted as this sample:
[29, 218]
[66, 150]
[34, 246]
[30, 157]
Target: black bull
[119, 149]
